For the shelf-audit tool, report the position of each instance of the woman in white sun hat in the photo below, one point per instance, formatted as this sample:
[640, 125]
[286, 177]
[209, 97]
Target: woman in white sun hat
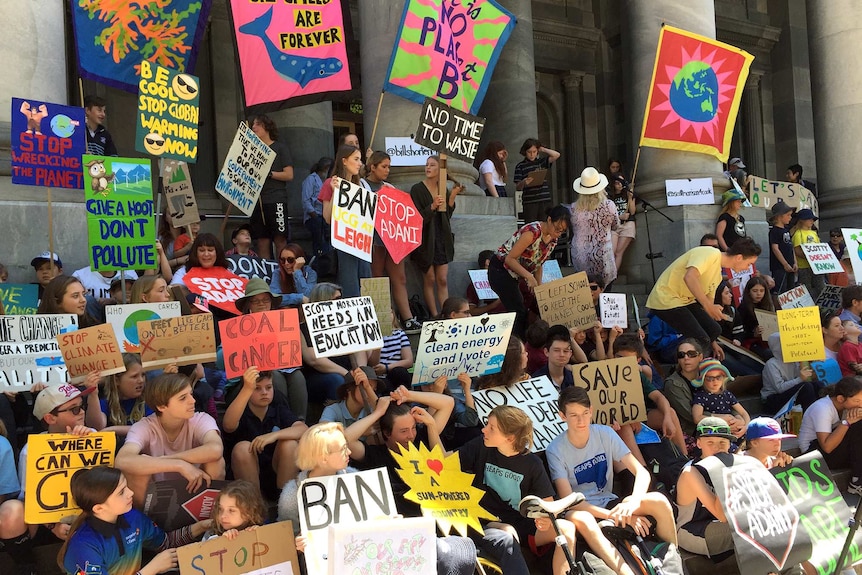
[593, 217]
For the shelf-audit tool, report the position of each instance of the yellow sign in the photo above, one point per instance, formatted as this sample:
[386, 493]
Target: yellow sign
[52, 460]
[801, 336]
[444, 491]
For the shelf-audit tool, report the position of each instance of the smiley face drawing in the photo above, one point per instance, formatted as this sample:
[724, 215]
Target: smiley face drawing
[185, 87]
[154, 144]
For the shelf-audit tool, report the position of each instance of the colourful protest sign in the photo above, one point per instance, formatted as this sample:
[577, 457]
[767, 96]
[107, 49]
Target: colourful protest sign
[827, 371]
[245, 169]
[404, 545]
[52, 460]
[168, 103]
[267, 550]
[269, 340]
[853, 241]
[795, 298]
[290, 50]
[614, 310]
[447, 51]
[479, 279]
[829, 298]
[821, 258]
[449, 130]
[765, 193]
[615, 390]
[121, 227]
[91, 349]
[353, 209]
[398, 222]
[404, 151]
[48, 141]
[171, 505]
[378, 290]
[567, 301]
[124, 320]
[184, 340]
[342, 326]
[179, 194]
[350, 499]
[219, 286]
[801, 335]
[475, 346]
[252, 266]
[537, 397]
[768, 320]
[29, 352]
[19, 299]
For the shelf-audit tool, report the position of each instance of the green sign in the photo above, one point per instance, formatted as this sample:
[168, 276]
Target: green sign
[168, 109]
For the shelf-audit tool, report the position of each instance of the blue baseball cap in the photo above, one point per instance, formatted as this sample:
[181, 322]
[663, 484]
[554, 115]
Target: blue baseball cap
[765, 428]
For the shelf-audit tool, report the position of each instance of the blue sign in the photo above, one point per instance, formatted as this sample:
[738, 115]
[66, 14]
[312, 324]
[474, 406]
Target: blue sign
[48, 141]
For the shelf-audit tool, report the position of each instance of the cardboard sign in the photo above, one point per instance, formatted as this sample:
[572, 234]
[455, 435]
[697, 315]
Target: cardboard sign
[801, 336]
[269, 340]
[170, 505]
[615, 390]
[268, 550]
[821, 258]
[551, 271]
[29, 352]
[449, 130]
[249, 267]
[614, 310]
[829, 298]
[827, 370]
[378, 290]
[537, 397]
[853, 241]
[219, 286]
[245, 170]
[124, 320]
[168, 104]
[91, 349]
[475, 346]
[406, 152]
[121, 227]
[768, 320]
[52, 459]
[398, 222]
[479, 279]
[343, 326]
[179, 194]
[406, 545]
[765, 193]
[567, 301]
[346, 499]
[48, 141]
[795, 298]
[690, 192]
[353, 209]
[19, 299]
[184, 340]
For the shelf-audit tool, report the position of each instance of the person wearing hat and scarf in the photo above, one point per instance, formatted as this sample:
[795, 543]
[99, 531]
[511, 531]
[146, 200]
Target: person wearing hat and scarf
[806, 234]
[624, 200]
[711, 395]
[593, 216]
[730, 225]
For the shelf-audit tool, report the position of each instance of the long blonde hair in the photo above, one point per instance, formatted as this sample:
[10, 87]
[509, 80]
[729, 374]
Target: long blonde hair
[111, 385]
[590, 202]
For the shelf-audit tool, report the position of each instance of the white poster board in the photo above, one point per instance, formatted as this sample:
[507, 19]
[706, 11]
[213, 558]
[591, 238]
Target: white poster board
[797, 297]
[406, 152]
[537, 397]
[481, 285]
[689, 192]
[246, 167]
[343, 326]
[853, 241]
[124, 320]
[407, 546]
[29, 352]
[353, 209]
[614, 310]
[821, 258]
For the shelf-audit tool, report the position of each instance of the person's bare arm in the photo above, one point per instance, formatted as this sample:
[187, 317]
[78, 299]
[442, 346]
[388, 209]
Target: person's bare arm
[439, 405]
[234, 411]
[489, 183]
[512, 259]
[720, 226]
[284, 175]
[692, 486]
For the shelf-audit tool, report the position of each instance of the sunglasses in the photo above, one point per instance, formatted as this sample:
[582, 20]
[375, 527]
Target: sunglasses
[714, 378]
[288, 260]
[689, 353]
[75, 409]
[835, 236]
[712, 429]
[594, 287]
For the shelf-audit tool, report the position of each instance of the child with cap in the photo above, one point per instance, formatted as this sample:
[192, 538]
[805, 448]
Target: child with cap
[730, 225]
[782, 258]
[764, 437]
[806, 234]
[46, 270]
[711, 395]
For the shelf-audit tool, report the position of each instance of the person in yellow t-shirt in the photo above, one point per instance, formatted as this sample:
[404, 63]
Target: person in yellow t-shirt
[683, 295]
[806, 234]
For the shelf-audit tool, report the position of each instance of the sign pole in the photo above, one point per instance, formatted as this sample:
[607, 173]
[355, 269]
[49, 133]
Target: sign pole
[376, 118]
[50, 231]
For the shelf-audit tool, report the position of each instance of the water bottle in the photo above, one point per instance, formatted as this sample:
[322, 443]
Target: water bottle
[796, 419]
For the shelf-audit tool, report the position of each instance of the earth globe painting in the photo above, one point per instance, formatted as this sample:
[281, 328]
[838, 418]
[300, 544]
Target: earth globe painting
[63, 126]
[130, 328]
[694, 92]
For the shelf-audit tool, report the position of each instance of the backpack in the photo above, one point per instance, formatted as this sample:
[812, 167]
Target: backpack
[648, 556]
[664, 462]
[419, 309]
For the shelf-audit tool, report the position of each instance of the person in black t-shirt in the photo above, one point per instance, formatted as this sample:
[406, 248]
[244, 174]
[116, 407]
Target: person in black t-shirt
[782, 259]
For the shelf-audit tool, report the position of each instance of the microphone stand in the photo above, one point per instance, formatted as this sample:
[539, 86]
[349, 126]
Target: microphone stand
[646, 206]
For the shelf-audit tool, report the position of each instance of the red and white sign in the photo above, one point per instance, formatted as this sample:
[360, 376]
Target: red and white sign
[219, 286]
[201, 505]
[398, 222]
[822, 259]
[353, 209]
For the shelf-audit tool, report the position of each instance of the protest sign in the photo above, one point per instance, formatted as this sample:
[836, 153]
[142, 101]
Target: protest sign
[168, 104]
[406, 152]
[269, 340]
[439, 486]
[124, 320]
[353, 209]
[398, 222]
[551, 271]
[246, 167]
[47, 141]
[170, 505]
[768, 320]
[19, 299]
[407, 545]
[614, 310]
[474, 345]
[219, 286]
[853, 241]
[795, 298]
[91, 349]
[184, 340]
[378, 290]
[52, 460]
[449, 131]
[350, 498]
[249, 267]
[179, 194]
[765, 193]
[615, 390]
[689, 192]
[537, 397]
[821, 258]
[343, 326]
[801, 335]
[827, 371]
[29, 352]
[479, 279]
[737, 282]
[829, 298]
[567, 301]
[267, 550]
[121, 227]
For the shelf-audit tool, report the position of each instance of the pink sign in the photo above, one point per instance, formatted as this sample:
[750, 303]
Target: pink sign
[219, 286]
[398, 222]
[291, 49]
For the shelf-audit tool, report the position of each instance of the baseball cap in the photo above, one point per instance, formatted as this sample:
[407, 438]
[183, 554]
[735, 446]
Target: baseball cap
[781, 208]
[765, 428]
[714, 427]
[128, 275]
[737, 161]
[235, 233]
[199, 301]
[54, 396]
[46, 257]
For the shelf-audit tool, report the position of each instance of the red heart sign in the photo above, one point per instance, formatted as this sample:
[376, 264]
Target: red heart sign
[398, 222]
[435, 465]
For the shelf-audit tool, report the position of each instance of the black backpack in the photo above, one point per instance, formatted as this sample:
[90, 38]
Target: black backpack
[665, 463]
[419, 309]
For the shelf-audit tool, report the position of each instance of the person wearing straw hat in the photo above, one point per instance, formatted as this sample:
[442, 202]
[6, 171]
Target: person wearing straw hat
[593, 216]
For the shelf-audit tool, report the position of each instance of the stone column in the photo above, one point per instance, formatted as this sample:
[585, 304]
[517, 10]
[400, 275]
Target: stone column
[575, 156]
[753, 127]
[836, 85]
